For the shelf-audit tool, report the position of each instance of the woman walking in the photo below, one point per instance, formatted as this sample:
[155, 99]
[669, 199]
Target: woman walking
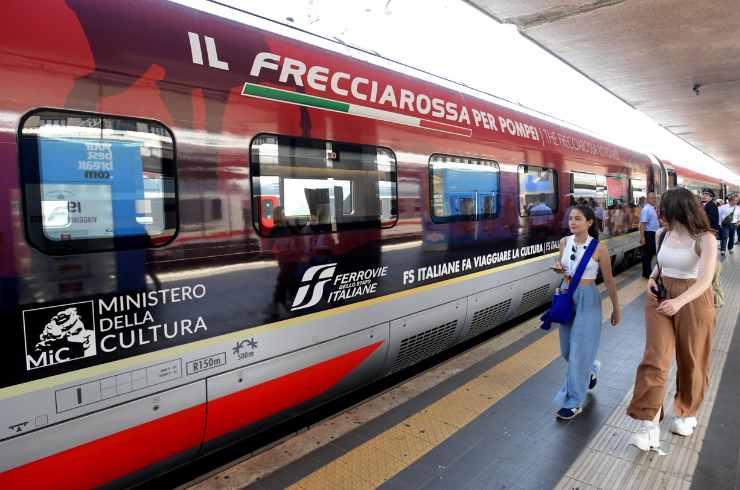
[678, 317]
[579, 341]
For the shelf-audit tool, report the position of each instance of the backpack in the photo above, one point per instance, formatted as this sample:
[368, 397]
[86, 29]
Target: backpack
[719, 294]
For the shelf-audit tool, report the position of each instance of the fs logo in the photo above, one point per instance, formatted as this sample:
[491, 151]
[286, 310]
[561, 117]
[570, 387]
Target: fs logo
[310, 294]
[58, 334]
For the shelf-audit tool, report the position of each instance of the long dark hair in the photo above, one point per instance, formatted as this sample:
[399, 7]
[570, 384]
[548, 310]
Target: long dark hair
[679, 205]
[588, 212]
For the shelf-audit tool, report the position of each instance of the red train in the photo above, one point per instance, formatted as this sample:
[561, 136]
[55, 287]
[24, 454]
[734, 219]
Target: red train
[211, 223]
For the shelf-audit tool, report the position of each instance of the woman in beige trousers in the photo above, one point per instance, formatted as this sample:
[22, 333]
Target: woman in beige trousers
[679, 318]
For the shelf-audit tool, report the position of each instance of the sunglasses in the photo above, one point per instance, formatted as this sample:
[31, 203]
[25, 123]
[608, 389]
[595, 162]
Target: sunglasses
[573, 254]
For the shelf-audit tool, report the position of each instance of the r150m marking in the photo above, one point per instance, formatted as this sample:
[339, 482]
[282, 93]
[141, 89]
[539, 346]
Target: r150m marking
[206, 363]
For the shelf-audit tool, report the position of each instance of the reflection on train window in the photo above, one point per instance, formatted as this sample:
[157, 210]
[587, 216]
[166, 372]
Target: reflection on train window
[583, 186]
[588, 189]
[616, 187]
[622, 216]
[538, 191]
[601, 190]
[672, 179]
[95, 183]
[312, 186]
[697, 187]
[638, 189]
[463, 189]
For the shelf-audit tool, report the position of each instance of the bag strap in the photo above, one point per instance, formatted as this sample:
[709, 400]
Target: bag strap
[662, 236]
[582, 265]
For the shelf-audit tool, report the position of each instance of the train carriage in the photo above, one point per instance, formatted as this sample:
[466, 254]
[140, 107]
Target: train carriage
[211, 223]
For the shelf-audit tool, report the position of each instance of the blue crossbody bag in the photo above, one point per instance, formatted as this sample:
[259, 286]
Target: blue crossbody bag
[561, 310]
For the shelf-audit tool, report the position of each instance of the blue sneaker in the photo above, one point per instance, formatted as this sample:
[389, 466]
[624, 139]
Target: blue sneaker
[592, 383]
[568, 413]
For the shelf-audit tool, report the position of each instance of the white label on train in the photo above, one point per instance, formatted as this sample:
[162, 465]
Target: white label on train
[59, 334]
[345, 286]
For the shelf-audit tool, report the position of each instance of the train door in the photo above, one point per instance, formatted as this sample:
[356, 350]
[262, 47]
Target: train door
[658, 180]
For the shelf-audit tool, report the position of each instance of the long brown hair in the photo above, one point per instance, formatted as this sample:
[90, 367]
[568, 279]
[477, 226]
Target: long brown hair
[679, 205]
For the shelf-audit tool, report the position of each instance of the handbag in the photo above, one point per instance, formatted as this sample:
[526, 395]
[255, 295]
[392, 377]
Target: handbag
[729, 218]
[561, 310]
[661, 292]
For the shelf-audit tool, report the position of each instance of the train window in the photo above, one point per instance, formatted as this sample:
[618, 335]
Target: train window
[602, 193]
[463, 189]
[638, 189]
[538, 191]
[94, 183]
[583, 186]
[304, 186]
[616, 188]
[672, 179]
[217, 212]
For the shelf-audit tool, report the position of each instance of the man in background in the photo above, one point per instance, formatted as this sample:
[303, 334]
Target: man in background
[729, 216]
[707, 200]
[649, 224]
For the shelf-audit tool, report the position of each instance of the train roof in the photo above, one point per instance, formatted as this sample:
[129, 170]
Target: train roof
[691, 174]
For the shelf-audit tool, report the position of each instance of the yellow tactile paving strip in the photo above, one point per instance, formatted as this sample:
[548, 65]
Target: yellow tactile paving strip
[385, 455]
[424, 427]
[610, 462]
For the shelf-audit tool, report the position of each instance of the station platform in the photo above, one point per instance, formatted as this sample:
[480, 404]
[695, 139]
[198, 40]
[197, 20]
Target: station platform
[486, 419]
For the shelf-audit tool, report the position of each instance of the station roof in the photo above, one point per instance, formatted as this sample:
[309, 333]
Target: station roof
[676, 61]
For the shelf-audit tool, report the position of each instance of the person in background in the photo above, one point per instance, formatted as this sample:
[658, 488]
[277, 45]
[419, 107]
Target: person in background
[679, 318]
[634, 214]
[707, 200]
[616, 218]
[649, 224]
[579, 341]
[729, 216]
[641, 202]
[599, 213]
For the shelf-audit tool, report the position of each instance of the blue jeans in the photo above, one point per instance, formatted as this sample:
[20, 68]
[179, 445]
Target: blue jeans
[728, 235]
[579, 343]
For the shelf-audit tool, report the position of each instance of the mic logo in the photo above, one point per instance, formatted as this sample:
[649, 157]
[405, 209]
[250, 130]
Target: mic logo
[311, 292]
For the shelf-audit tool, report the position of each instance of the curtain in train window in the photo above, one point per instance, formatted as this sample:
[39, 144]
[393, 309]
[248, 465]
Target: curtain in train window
[463, 189]
[538, 191]
[97, 182]
[311, 186]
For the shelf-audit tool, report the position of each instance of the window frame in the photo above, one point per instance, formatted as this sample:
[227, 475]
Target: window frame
[464, 218]
[254, 171]
[30, 180]
[556, 191]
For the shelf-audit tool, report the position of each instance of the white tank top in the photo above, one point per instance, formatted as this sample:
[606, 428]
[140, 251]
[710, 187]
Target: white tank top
[571, 266]
[678, 263]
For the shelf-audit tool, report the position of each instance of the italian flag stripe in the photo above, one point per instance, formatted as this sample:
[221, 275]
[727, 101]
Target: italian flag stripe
[290, 97]
[293, 97]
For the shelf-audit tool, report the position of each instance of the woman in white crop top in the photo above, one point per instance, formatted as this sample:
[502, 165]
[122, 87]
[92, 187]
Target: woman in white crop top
[679, 317]
[579, 341]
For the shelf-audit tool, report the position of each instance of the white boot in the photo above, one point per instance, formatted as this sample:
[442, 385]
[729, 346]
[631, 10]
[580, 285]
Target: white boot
[648, 437]
[684, 426]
